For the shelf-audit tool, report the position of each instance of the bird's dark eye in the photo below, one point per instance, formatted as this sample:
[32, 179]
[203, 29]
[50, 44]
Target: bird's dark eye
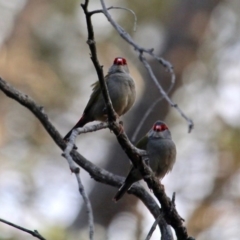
[120, 61]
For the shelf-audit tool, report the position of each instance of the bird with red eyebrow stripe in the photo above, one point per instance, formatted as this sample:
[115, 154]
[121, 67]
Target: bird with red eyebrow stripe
[122, 92]
[161, 152]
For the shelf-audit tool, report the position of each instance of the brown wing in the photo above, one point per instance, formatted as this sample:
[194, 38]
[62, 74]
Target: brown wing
[96, 91]
[94, 96]
[142, 143]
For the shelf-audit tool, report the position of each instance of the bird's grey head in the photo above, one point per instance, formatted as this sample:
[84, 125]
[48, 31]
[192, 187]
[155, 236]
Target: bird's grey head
[119, 65]
[159, 130]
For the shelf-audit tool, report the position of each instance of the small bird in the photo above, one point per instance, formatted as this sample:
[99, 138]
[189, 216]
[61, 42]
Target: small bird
[122, 92]
[161, 152]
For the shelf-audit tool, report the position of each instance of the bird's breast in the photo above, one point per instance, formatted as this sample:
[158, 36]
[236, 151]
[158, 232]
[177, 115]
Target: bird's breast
[122, 92]
[162, 155]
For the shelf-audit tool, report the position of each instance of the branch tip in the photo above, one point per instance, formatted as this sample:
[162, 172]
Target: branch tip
[75, 170]
[190, 126]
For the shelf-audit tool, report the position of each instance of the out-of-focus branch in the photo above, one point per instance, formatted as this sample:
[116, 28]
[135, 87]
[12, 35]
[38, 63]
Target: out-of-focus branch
[166, 233]
[34, 233]
[71, 142]
[95, 172]
[92, 128]
[151, 231]
[67, 152]
[141, 51]
[88, 205]
[76, 170]
[150, 109]
[164, 94]
[122, 8]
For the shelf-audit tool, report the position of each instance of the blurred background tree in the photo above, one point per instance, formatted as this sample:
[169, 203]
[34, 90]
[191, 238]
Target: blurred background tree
[44, 54]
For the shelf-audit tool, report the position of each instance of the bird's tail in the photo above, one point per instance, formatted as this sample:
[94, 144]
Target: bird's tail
[122, 190]
[83, 120]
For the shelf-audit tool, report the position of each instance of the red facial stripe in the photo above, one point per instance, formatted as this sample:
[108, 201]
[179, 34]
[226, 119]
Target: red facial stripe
[120, 61]
[159, 127]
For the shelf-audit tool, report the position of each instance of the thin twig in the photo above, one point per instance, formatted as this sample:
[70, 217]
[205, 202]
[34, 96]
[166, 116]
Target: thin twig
[93, 128]
[72, 139]
[34, 233]
[88, 205]
[131, 11]
[166, 233]
[123, 8]
[164, 94]
[145, 116]
[142, 50]
[129, 39]
[150, 109]
[173, 204]
[154, 227]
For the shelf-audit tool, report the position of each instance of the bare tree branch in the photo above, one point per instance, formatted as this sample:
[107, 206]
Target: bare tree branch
[153, 227]
[150, 109]
[122, 8]
[166, 232]
[34, 233]
[88, 205]
[102, 175]
[164, 94]
[92, 128]
[71, 142]
[95, 172]
[141, 51]
[170, 213]
[76, 170]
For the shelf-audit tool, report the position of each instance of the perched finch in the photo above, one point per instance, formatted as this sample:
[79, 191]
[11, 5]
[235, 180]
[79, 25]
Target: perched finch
[161, 152]
[122, 92]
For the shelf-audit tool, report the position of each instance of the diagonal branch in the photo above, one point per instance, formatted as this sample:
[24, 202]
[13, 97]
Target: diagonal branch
[95, 172]
[164, 94]
[71, 143]
[34, 233]
[165, 229]
[123, 8]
